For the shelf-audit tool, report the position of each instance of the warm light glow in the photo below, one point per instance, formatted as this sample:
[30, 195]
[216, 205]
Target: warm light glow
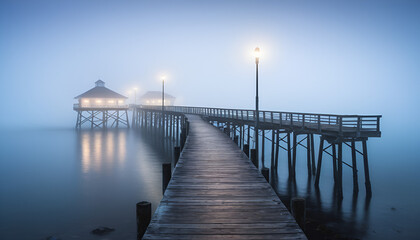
[257, 53]
[147, 101]
[110, 101]
[98, 101]
[135, 89]
[120, 101]
[163, 77]
[86, 101]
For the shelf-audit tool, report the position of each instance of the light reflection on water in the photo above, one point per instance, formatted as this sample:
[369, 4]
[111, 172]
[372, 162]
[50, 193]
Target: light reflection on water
[65, 182]
[102, 149]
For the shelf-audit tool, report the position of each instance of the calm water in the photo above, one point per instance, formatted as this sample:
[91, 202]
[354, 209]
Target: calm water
[65, 183]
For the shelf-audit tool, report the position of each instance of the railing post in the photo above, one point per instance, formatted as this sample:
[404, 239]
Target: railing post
[291, 119]
[319, 123]
[280, 119]
[303, 120]
[340, 121]
[378, 124]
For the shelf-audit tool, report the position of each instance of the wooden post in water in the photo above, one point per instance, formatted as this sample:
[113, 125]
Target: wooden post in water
[318, 168]
[298, 207]
[241, 142]
[308, 153]
[246, 149]
[272, 149]
[334, 157]
[254, 157]
[366, 166]
[248, 136]
[266, 173]
[143, 214]
[354, 167]
[277, 149]
[177, 153]
[262, 148]
[166, 175]
[289, 154]
[313, 154]
[340, 170]
[294, 154]
[177, 131]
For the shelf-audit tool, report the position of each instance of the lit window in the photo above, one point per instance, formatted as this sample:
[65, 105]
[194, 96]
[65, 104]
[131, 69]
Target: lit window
[86, 101]
[147, 101]
[110, 101]
[98, 101]
[120, 101]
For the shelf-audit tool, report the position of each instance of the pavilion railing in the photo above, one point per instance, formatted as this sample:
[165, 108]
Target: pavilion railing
[77, 106]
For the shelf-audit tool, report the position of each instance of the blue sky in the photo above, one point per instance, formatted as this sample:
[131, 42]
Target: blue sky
[350, 57]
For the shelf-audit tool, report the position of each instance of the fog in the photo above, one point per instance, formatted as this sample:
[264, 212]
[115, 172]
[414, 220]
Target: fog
[344, 57]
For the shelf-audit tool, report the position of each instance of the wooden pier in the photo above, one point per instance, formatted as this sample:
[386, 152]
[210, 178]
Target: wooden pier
[288, 131]
[217, 193]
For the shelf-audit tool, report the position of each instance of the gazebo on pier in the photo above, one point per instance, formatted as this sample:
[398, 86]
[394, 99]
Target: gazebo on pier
[101, 107]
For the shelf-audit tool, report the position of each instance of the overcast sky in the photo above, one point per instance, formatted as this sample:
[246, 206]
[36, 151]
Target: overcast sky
[351, 57]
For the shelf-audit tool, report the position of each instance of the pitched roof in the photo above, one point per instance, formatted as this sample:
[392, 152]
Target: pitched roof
[100, 92]
[155, 94]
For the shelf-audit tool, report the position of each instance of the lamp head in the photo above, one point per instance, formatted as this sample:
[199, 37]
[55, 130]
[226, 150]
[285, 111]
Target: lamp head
[257, 55]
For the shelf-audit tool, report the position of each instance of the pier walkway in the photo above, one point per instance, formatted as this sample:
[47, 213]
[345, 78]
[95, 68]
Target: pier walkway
[217, 193]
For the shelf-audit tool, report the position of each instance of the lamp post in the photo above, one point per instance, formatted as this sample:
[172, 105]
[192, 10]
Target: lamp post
[129, 94]
[257, 112]
[163, 93]
[163, 105]
[135, 96]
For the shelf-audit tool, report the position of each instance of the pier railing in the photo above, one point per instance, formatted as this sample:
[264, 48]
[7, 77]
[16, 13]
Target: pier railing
[358, 124]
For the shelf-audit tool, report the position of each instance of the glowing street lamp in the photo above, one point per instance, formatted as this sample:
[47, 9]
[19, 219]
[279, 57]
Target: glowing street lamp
[163, 93]
[257, 55]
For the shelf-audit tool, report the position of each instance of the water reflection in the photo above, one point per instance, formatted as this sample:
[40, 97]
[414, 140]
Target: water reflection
[101, 149]
[327, 213]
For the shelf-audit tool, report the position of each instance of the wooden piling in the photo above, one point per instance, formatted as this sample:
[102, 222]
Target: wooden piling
[277, 148]
[294, 154]
[143, 214]
[334, 160]
[366, 167]
[246, 149]
[262, 148]
[177, 153]
[254, 157]
[318, 168]
[166, 175]
[266, 173]
[298, 207]
[354, 167]
[272, 148]
[340, 170]
[289, 154]
[308, 154]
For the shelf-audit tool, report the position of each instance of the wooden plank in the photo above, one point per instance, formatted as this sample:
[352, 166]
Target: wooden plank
[216, 193]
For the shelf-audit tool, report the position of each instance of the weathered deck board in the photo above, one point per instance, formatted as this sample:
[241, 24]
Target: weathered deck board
[216, 193]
